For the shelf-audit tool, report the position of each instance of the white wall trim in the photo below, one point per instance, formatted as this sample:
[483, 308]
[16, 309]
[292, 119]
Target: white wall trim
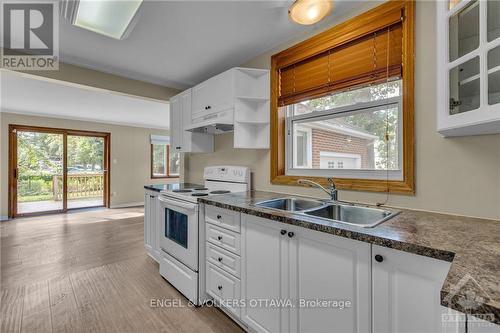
[4, 218]
[126, 205]
[117, 123]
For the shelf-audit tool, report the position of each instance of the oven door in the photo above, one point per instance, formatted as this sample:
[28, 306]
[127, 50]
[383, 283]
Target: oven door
[179, 230]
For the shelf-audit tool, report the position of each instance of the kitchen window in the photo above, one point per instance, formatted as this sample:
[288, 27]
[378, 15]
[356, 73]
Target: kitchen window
[164, 164]
[342, 104]
[358, 133]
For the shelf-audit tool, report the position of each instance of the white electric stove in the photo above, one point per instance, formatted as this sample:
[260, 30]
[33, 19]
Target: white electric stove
[182, 235]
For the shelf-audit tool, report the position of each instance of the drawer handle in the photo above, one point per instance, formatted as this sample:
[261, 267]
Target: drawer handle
[219, 287]
[219, 217]
[283, 231]
[220, 259]
[291, 234]
[219, 237]
[379, 258]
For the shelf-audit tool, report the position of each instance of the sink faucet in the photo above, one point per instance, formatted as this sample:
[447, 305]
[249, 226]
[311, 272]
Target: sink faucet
[332, 191]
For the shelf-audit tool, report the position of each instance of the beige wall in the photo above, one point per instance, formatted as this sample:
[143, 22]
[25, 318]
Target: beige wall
[453, 175]
[130, 149]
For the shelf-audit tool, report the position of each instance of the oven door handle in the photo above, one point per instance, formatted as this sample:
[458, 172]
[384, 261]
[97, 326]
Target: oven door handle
[177, 203]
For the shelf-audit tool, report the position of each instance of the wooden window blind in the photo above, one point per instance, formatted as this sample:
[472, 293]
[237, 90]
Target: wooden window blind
[369, 59]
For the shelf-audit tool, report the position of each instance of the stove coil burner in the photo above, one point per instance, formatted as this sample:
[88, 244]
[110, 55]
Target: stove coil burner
[181, 191]
[200, 189]
[199, 194]
[220, 192]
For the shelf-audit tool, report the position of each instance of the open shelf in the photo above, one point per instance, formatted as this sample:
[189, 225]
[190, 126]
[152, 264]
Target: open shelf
[251, 135]
[254, 122]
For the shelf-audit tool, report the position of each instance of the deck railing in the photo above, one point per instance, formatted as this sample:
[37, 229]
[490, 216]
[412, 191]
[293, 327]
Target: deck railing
[85, 185]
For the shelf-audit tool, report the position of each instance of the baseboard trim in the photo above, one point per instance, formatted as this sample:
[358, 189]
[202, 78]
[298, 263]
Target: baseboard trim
[4, 218]
[130, 204]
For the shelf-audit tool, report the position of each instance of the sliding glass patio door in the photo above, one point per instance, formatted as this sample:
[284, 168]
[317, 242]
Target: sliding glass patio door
[40, 162]
[85, 176]
[53, 170]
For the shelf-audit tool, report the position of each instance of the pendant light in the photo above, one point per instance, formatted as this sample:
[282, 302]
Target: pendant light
[308, 12]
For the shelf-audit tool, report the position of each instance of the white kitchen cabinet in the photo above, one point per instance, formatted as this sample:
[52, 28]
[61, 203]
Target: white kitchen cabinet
[182, 141]
[283, 262]
[265, 274]
[476, 325]
[151, 236]
[468, 71]
[334, 269]
[213, 95]
[406, 292]
[237, 98]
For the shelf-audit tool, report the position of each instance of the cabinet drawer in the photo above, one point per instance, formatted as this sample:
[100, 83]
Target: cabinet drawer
[226, 260]
[227, 239]
[222, 217]
[223, 287]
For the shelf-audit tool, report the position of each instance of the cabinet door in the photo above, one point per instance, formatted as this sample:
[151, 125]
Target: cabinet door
[406, 291]
[176, 130]
[213, 95]
[476, 325]
[264, 264]
[147, 222]
[333, 269]
[184, 114]
[153, 226]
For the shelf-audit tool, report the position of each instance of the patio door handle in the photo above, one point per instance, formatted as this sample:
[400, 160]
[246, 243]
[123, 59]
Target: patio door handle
[15, 173]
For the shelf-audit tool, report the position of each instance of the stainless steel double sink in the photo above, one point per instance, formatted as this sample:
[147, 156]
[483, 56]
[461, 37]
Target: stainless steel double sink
[334, 211]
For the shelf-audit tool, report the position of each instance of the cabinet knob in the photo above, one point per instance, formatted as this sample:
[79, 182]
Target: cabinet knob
[219, 287]
[283, 231]
[291, 234]
[219, 237]
[220, 259]
[178, 147]
[379, 258]
[219, 217]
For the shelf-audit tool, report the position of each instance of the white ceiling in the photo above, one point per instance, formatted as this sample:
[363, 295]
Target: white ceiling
[26, 95]
[181, 43]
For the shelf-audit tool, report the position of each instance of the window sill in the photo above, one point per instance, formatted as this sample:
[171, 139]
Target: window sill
[164, 177]
[367, 185]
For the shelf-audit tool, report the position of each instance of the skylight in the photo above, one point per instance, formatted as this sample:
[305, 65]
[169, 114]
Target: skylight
[107, 17]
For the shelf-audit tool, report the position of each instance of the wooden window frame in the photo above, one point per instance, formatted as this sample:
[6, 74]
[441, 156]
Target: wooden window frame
[347, 31]
[167, 147]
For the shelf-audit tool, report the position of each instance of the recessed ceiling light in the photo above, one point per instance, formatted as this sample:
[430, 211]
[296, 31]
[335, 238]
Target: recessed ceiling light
[112, 18]
[308, 12]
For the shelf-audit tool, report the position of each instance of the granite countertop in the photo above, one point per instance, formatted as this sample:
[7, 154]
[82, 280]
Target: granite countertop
[173, 186]
[472, 245]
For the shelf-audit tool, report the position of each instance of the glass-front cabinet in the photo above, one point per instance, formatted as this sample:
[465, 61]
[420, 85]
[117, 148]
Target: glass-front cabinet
[468, 67]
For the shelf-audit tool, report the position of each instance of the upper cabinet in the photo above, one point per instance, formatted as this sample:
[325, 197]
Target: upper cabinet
[468, 59]
[184, 141]
[212, 96]
[236, 101]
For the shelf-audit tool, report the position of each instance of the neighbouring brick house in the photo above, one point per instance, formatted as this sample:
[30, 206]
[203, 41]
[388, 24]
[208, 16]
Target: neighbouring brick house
[334, 144]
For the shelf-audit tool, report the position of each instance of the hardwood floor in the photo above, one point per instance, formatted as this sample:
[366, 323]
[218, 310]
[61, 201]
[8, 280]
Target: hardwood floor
[89, 272]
